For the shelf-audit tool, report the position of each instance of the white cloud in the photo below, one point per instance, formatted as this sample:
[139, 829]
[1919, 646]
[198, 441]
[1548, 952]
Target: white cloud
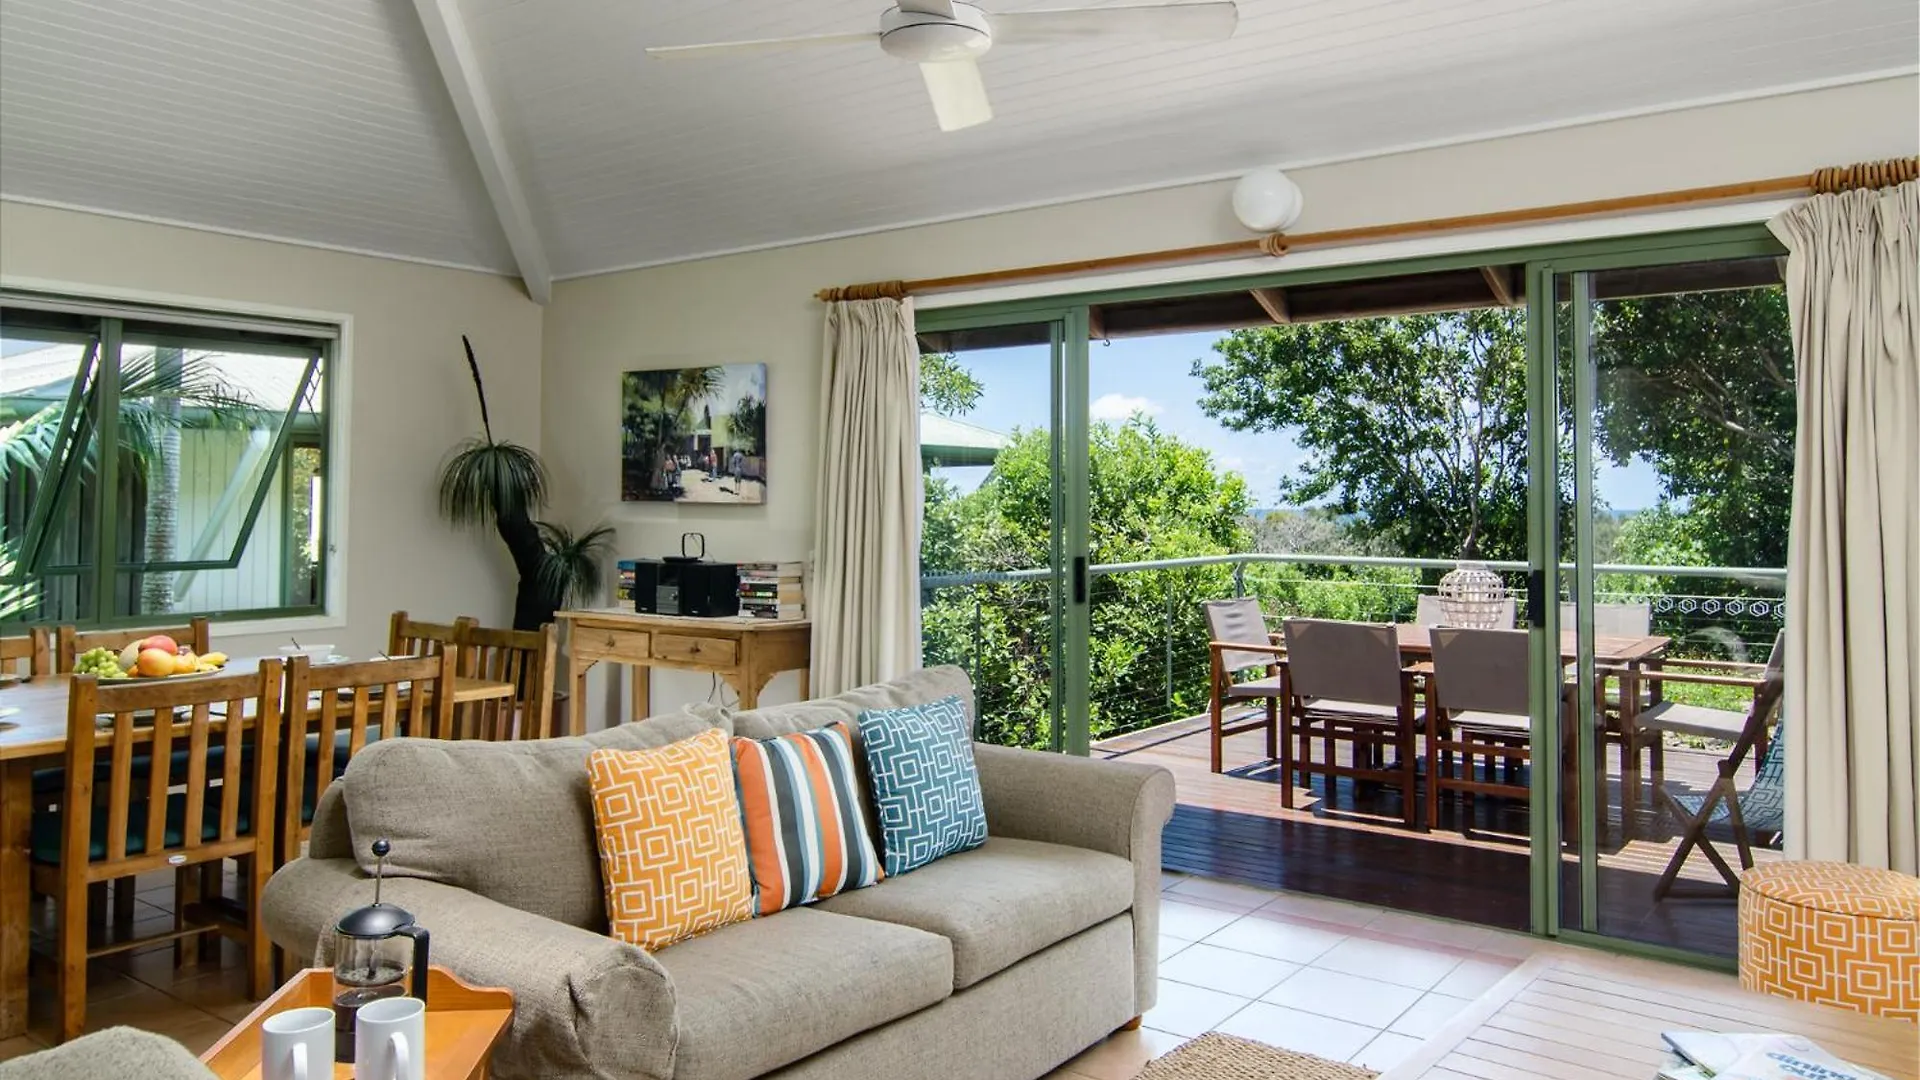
[1122, 407]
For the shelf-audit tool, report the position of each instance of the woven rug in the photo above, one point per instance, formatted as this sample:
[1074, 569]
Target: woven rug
[1214, 1056]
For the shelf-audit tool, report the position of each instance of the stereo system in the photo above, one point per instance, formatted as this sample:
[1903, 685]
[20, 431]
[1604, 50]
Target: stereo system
[686, 584]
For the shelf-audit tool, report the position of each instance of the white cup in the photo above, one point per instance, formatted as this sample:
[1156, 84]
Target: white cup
[297, 1045]
[390, 1040]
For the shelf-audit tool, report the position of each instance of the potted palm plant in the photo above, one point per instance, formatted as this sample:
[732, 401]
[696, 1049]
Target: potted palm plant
[504, 484]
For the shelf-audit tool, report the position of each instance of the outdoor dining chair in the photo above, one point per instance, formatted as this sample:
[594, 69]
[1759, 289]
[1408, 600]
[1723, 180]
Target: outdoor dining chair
[1478, 714]
[1345, 686]
[1757, 809]
[1241, 644]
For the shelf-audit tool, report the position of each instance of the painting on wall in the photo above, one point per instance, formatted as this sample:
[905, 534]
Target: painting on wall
[694, 435]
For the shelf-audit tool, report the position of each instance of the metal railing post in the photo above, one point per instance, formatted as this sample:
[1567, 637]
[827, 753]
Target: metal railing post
[1239, 580]
[1166, 646]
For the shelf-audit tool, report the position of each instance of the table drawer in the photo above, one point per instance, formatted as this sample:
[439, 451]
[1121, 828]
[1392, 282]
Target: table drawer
[688, 649]
[610, 643]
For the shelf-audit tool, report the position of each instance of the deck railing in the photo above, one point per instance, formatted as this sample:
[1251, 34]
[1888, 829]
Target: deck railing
[1150, 661]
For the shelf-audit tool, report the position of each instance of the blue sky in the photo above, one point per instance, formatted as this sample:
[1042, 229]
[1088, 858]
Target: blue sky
[1150, 374]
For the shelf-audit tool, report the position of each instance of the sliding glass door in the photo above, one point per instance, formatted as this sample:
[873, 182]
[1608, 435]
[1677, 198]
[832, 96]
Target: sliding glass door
[1668, 379]
[1003, 549]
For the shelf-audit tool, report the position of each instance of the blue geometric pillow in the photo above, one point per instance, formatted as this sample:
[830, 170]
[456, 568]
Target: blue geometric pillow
[926, 787]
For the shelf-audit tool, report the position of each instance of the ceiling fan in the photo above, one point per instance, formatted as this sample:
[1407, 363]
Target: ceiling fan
[946, 37]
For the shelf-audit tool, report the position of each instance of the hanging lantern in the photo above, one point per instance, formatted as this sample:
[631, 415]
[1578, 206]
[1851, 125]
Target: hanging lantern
[1473, 596]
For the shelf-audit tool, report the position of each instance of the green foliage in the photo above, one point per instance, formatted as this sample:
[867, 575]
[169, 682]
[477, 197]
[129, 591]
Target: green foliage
[749, 425]
[1417, 424]
[1153, 497]
[486, 481]
[946, 387]
[570, 568]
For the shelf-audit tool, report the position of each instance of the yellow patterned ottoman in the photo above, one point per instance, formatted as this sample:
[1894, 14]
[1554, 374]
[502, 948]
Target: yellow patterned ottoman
[1834, 934]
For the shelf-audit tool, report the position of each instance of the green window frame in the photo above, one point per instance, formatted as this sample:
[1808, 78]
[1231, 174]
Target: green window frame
[234, 401]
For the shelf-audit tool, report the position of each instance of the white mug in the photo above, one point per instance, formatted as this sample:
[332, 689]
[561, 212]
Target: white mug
[297, 1045]
[390, 1040]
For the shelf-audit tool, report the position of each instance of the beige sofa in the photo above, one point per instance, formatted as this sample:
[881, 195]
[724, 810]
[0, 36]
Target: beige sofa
[1001, 962]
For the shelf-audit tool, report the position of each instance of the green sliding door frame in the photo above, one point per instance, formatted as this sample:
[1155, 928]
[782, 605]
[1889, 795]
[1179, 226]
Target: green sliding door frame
[1069, 319]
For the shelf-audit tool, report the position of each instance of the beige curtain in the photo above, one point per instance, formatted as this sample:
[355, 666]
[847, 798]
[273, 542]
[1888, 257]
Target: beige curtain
[866, 579]
[1852, 703]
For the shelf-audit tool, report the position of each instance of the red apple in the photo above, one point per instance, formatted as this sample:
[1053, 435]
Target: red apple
[162, 642]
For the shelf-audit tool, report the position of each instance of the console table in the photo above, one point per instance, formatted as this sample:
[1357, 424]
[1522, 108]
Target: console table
[745, 651]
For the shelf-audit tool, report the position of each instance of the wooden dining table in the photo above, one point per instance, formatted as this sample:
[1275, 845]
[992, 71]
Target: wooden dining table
[33, 736]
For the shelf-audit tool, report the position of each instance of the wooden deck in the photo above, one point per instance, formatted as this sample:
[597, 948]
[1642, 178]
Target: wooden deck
[1471, 866]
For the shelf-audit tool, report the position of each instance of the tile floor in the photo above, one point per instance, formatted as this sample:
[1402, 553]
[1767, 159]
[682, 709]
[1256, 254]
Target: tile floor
[1340, 980]
[1343, 981]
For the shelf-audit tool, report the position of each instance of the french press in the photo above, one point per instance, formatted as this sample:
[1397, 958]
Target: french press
[378, 952]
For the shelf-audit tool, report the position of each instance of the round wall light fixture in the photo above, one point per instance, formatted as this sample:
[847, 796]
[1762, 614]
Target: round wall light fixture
[1266, 200]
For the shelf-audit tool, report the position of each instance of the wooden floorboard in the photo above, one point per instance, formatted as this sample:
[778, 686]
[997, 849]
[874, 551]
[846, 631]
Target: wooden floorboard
[1349, 843]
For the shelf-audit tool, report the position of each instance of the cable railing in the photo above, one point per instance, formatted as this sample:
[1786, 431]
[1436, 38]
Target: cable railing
[1150, 662]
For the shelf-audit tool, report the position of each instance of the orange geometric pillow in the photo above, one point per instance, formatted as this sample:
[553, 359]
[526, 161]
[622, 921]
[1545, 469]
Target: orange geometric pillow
[672, 854]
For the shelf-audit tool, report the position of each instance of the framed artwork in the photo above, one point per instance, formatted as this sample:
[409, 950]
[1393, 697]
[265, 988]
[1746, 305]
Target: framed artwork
[694, 435]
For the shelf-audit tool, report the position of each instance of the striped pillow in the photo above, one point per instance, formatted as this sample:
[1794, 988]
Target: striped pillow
[800, 803]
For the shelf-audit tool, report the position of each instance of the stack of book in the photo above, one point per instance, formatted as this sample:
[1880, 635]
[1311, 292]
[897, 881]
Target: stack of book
[772, 590]
[623, 585]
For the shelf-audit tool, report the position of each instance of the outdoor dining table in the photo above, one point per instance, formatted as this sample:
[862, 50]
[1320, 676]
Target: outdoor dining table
[35, 737]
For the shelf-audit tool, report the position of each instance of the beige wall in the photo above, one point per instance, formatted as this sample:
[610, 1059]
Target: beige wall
[410, 397]
[759, 307]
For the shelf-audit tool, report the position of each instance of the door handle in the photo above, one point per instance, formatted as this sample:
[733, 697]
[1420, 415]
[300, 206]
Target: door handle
[1079, 579]
[1537, 598]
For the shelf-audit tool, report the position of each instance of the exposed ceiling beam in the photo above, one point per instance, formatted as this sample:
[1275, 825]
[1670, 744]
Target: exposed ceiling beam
[1500, 281]
[1274, 303]
[1096, 323]
[453, 53]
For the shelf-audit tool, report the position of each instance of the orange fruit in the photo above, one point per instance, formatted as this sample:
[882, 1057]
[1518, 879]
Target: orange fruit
[154, 663]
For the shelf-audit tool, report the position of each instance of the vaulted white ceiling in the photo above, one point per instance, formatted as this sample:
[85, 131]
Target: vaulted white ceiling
[327, 121]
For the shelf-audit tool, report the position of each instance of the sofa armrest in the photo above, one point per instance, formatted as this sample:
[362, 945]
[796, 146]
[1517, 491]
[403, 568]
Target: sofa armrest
[585, 1005]
[1111, 806]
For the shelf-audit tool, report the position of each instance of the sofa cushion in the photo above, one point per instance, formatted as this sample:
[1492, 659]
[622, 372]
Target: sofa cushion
[672, 853]
[926, 790]
[805, 817]
[913, 688]
[999, 903]
[757, 995]
[512, 821]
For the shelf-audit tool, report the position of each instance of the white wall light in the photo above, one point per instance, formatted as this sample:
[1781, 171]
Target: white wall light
[1266, 200]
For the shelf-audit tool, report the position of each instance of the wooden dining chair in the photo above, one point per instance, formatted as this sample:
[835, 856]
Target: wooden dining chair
[26, 654]
[525, 658]
[1346, 686]
[125, 824]
[1478, 713]
[1241, 644]
[335, 710]
[71, 644]
[407, 636]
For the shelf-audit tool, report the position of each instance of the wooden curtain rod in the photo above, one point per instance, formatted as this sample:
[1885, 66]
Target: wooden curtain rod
[1873, 174]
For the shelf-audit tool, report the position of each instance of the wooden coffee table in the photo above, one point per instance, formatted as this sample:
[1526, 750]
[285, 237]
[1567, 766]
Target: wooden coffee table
[463, 1023]
[1574, 1014]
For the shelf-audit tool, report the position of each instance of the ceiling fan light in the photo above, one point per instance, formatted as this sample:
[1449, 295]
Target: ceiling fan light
[1267, 200]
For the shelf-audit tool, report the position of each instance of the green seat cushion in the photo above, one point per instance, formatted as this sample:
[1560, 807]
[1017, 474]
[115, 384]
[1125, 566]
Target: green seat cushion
[48, 826]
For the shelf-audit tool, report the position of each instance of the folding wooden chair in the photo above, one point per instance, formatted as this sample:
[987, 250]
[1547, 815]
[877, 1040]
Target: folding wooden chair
[1757, 808]
[1241, 643]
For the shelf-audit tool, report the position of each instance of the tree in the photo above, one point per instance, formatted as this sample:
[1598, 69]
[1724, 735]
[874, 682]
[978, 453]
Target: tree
[1153, 497]
[946, 387]
[1416, 424]
[750, 424]
[1701, 385]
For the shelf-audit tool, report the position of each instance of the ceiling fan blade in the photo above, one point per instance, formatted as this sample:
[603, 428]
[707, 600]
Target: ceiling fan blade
[959, 97]
[942, 8]
[1144, 22]
[759, 45]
